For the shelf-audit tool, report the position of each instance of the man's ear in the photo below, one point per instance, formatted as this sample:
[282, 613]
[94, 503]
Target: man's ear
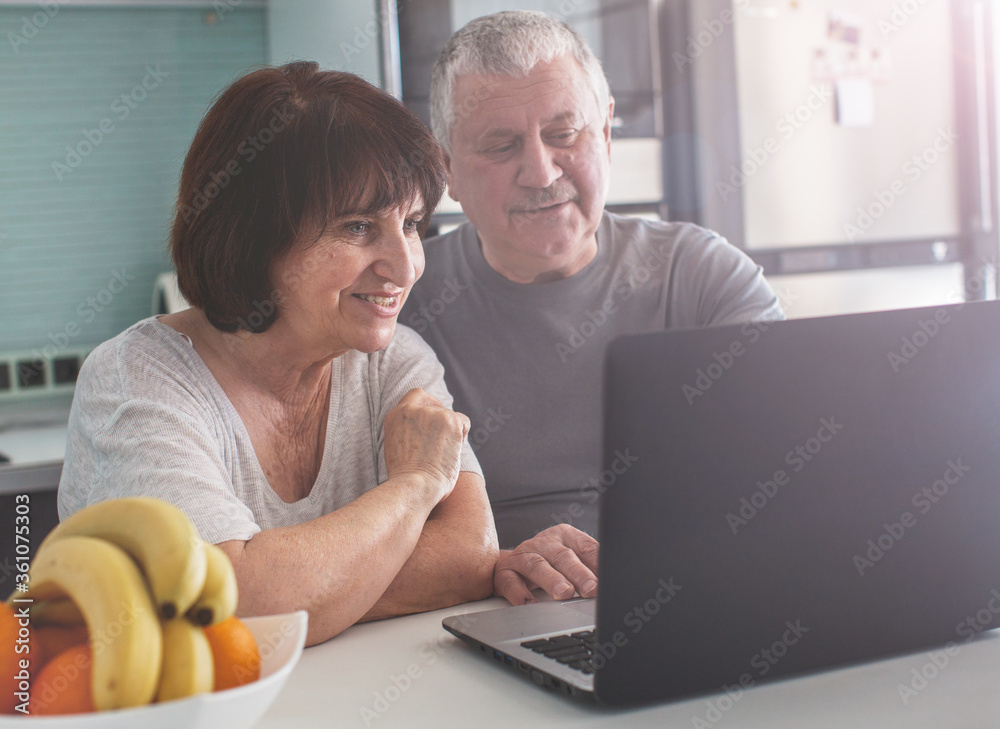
[608, 122]
[451, 178]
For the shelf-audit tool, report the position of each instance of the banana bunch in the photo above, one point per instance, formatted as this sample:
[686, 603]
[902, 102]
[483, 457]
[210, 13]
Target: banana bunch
[137, 573]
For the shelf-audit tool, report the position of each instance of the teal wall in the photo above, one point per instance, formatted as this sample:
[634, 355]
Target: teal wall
[83, 230]
[341, 35]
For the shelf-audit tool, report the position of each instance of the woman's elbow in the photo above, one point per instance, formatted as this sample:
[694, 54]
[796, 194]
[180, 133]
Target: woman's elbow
[482, 561]
[484, 583]
[321, 629]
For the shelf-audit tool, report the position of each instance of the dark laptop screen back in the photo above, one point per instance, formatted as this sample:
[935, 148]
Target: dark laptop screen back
[821, 492]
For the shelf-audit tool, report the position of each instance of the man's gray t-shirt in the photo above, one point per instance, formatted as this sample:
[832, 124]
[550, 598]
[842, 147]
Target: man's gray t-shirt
[524, 362]
[150, 419]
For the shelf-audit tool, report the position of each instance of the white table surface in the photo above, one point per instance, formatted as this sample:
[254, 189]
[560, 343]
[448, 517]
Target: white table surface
[336, 685]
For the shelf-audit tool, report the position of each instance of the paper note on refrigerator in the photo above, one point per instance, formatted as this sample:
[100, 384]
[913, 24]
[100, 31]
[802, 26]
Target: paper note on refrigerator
[855, 101]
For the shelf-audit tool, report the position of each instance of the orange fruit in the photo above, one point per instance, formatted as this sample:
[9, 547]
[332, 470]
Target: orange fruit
[14, 676]
[64, 685]
[234, 653]
[54, 639]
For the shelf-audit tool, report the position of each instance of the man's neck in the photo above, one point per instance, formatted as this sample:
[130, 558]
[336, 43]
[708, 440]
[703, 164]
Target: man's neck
[526, 269]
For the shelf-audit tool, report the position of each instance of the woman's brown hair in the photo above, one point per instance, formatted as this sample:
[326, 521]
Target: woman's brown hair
[282, 152]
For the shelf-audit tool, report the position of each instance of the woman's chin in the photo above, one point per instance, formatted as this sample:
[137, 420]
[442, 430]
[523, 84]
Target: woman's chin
[376, 340]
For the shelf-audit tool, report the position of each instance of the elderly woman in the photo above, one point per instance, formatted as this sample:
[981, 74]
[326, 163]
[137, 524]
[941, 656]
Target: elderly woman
[285, 412]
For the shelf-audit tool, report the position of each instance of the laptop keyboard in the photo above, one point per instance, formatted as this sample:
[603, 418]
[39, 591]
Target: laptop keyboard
[574, 650]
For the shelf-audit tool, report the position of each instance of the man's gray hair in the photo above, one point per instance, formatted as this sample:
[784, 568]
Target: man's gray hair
[509, 43]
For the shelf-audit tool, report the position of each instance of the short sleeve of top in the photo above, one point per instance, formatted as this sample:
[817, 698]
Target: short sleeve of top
[149, 418]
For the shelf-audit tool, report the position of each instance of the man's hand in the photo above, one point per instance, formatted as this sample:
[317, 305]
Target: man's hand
[561, 560]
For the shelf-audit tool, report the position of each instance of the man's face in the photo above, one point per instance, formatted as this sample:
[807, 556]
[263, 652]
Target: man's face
[529, 164]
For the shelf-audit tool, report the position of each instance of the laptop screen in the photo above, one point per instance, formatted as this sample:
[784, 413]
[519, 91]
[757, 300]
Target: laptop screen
[815, 492]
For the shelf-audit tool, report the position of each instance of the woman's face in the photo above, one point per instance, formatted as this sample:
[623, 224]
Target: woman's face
[345, 290]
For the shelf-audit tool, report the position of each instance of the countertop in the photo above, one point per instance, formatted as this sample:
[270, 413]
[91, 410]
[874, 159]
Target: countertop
[408, 672]
[32, 442]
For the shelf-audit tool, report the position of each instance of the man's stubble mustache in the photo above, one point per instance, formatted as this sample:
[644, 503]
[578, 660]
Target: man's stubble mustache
[534, 200]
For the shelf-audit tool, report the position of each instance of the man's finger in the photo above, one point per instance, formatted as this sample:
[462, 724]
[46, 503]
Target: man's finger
[509, 585]
[567, 562]
[534, 567]
[585, 547]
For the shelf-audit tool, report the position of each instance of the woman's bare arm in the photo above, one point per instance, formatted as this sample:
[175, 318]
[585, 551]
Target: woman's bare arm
[453, 560]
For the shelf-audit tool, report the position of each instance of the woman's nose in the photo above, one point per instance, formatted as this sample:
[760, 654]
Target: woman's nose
[401, 259]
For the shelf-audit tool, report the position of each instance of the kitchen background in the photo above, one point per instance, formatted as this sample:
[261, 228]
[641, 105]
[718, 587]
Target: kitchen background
[848, 145]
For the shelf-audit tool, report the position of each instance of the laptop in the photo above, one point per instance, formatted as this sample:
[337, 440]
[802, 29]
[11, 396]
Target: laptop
[799, 495]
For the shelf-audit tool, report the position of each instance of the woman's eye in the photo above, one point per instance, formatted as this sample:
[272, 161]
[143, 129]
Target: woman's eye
[358, 227]
[413, 223]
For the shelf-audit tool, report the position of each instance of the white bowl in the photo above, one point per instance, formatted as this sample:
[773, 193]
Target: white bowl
[280, 639]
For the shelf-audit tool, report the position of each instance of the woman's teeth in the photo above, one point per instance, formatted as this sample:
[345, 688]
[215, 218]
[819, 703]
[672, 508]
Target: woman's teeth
[380, 300]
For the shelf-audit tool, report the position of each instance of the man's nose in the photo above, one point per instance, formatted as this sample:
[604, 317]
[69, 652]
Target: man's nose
[538, 165]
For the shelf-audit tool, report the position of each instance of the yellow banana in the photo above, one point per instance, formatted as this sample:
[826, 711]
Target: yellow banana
[109, 590]
[187, 661]
[218, 597]
[157, 534]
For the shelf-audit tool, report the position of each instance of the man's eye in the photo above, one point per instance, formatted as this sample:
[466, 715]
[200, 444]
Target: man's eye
[566, 137]
[500, 149]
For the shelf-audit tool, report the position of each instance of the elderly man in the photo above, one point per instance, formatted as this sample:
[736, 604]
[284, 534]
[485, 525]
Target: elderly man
[521, 302]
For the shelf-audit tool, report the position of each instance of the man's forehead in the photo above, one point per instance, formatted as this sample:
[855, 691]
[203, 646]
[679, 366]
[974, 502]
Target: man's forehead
[564, 69]
[550, 93]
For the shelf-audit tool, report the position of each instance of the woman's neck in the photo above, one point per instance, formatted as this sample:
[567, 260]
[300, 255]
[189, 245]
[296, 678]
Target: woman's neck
[274, 363]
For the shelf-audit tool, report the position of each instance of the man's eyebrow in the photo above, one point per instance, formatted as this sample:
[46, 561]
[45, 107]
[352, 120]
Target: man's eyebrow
[498, 133]
[565, 116]
[505, 132]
